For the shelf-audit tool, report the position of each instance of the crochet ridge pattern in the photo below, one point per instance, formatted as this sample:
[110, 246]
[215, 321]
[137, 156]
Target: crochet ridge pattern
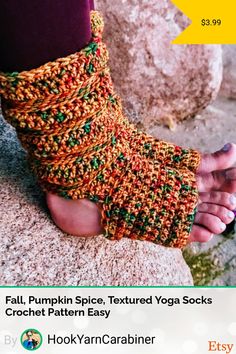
[80, 145]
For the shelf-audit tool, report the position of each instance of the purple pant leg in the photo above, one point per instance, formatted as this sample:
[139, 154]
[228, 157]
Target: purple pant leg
[92, 4]
[35, 32]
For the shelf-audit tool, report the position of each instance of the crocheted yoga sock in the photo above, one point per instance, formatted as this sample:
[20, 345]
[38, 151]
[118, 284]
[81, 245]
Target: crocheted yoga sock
[80, 146]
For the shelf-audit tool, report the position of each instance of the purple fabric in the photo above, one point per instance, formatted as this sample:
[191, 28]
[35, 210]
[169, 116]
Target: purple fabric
[35, 32]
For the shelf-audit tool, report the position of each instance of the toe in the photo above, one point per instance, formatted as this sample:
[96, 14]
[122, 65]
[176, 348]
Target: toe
[219, 160]
[200, 234]
[231, 174]
[220, 198]
[224, 214]
[210, 222]
[224, 181]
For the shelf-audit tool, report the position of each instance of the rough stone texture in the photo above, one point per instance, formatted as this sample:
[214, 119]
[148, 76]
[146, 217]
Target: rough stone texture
[33, 251]
[228, 87]
[159, 81]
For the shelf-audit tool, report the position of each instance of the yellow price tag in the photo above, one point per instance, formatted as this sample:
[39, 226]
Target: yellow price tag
[213, 22]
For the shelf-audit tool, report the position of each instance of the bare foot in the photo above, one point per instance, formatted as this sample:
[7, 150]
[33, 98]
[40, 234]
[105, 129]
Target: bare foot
[216, 181]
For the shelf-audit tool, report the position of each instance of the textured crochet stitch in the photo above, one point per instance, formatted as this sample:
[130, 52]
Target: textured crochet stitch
[80, 145]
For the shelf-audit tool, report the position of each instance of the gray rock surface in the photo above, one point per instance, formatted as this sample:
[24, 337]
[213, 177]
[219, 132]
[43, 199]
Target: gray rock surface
[159, 81]
[33, 251]
[228, 87]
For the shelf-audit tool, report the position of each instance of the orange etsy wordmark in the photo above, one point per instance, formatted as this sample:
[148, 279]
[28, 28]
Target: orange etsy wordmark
[215, 346]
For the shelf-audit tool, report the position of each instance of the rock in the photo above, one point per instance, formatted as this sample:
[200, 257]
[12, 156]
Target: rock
[35, 252]
[160, 81]
[228, 87]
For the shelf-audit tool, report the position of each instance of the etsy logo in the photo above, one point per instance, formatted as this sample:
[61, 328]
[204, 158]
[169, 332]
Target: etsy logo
[214, 346]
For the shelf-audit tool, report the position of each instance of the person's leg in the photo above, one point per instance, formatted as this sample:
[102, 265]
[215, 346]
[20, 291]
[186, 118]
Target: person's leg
[74, 216]
[35, 32]
[91, 2]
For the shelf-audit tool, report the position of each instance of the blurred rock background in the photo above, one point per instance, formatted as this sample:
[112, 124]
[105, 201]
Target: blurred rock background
[228, 87]
[161, 82]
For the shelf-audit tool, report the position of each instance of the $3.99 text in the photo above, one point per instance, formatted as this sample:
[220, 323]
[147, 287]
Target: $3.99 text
[211, 22]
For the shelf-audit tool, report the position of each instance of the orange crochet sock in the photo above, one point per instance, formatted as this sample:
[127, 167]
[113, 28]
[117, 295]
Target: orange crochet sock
[80, 145]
